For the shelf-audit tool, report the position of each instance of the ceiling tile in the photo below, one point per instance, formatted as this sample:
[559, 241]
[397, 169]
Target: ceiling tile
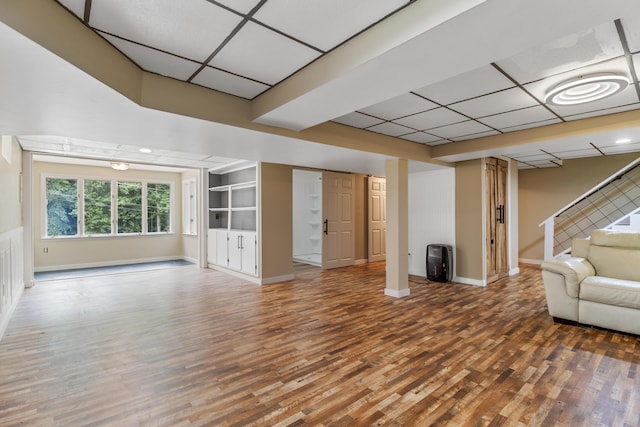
[524, 166]
[263, 55]
[160, 24]
[358, 120]
[400, 106]
[421, 137]
[431, 119]
[229, 83]
[532, 157]
[391, 129]
[462, 129]
[621, 148]
[324, 23]
[242, 6]
[153, 60]
[531, 125]
[544, 164]
[441, 142]
[636, 65]
[475, 135]
[631, 25]
[603, 112]
[518, 117]
[574, 154]
[75, 6]
[574, 51]
[495, 103]
[465, 86]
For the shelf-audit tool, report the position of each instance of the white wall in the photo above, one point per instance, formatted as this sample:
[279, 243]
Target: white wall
[307, 212]
[431, 214]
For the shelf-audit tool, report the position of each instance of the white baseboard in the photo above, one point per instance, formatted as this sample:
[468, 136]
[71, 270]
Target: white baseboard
[188, 258]
[514, 271]
[104, 264]
[277, 279]
[397, 293]
[360, 261]
[252, 279]
[530, 261]
[466, 281]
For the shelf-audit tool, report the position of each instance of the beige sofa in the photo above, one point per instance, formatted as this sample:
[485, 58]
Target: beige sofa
[599, 284]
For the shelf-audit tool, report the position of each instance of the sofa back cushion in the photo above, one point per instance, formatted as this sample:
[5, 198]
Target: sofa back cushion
[615, 254]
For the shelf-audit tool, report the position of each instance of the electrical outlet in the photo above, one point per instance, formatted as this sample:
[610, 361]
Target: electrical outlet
[45, 250]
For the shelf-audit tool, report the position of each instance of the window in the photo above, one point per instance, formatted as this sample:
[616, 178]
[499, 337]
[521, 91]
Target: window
[81, 207]
[62, 207]
[189, 209]
[97, 207]
[158, 208]
[129, 207]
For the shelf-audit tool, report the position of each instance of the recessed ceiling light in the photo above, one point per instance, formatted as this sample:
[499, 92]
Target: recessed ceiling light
[145, 150]
[623, 141]
[120, 166]
[586, 89]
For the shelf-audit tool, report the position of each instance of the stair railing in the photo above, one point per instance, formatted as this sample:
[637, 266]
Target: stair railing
[549, 223]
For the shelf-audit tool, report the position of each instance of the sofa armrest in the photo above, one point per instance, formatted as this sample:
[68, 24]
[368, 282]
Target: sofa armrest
[574, 270]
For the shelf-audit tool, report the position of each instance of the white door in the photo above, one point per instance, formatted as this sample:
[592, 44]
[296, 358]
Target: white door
[338, 206]
[377, 219]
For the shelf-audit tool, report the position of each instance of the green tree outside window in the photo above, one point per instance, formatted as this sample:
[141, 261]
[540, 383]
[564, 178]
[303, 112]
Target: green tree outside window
[62, 207]
[158, 208]
[129, 207]
[97, 207]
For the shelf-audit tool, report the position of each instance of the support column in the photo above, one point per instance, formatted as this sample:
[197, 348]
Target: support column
[397, 174]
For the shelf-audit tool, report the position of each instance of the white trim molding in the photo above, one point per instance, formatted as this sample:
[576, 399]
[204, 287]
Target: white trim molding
[514, 271]
[466, 281]
[397, 293]
[11, 274]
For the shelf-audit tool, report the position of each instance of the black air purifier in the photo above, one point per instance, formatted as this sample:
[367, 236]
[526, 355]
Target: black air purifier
[439, 263]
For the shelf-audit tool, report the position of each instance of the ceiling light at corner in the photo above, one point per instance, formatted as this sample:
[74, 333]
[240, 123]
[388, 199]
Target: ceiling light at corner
[586, 89]
[119, 166]
[145, 150]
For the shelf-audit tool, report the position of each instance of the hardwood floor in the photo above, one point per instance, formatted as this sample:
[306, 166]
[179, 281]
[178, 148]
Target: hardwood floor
[196, 347]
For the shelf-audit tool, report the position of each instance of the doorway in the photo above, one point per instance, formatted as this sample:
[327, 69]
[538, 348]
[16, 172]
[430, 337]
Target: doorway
[323, 218]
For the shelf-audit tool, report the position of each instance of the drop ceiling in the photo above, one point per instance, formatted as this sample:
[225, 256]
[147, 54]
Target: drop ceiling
[432, 73]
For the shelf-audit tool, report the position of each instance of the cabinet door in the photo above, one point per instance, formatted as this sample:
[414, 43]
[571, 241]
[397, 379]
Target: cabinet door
[235, 250]
[248, 243]
[212, 248]
[222, 248]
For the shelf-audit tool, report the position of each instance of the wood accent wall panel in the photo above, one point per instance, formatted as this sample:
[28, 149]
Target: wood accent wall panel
[188, 346]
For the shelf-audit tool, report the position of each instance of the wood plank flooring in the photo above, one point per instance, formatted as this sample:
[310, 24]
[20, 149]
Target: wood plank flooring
[191, 347]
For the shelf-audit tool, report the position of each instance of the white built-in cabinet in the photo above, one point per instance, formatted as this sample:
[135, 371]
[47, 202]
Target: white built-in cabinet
[232, 238]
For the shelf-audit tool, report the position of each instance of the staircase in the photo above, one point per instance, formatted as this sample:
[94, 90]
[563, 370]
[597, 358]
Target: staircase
[612, 204]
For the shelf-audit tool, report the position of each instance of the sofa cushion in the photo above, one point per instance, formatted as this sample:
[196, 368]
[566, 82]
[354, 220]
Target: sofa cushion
[616, 238]
[619, 262]
[607, 290]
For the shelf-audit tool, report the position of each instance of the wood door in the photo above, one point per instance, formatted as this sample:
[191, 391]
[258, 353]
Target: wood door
[377, 234]
[338, 207]
[496, 219]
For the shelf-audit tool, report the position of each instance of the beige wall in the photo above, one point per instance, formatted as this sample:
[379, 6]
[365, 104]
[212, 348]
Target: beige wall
[276, 222]
[79, 252]
[469, 225]
[543, 191]
[10, 171]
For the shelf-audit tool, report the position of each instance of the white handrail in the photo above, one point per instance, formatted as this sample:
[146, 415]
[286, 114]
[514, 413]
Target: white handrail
[596, 187]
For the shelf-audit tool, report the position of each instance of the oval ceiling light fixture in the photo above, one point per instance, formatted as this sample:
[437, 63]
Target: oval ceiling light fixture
[586, 89]
[120, 166]
[623, 141]
[145, 150]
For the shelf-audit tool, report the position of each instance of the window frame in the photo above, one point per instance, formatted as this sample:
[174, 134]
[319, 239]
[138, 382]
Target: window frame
[80, 179]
